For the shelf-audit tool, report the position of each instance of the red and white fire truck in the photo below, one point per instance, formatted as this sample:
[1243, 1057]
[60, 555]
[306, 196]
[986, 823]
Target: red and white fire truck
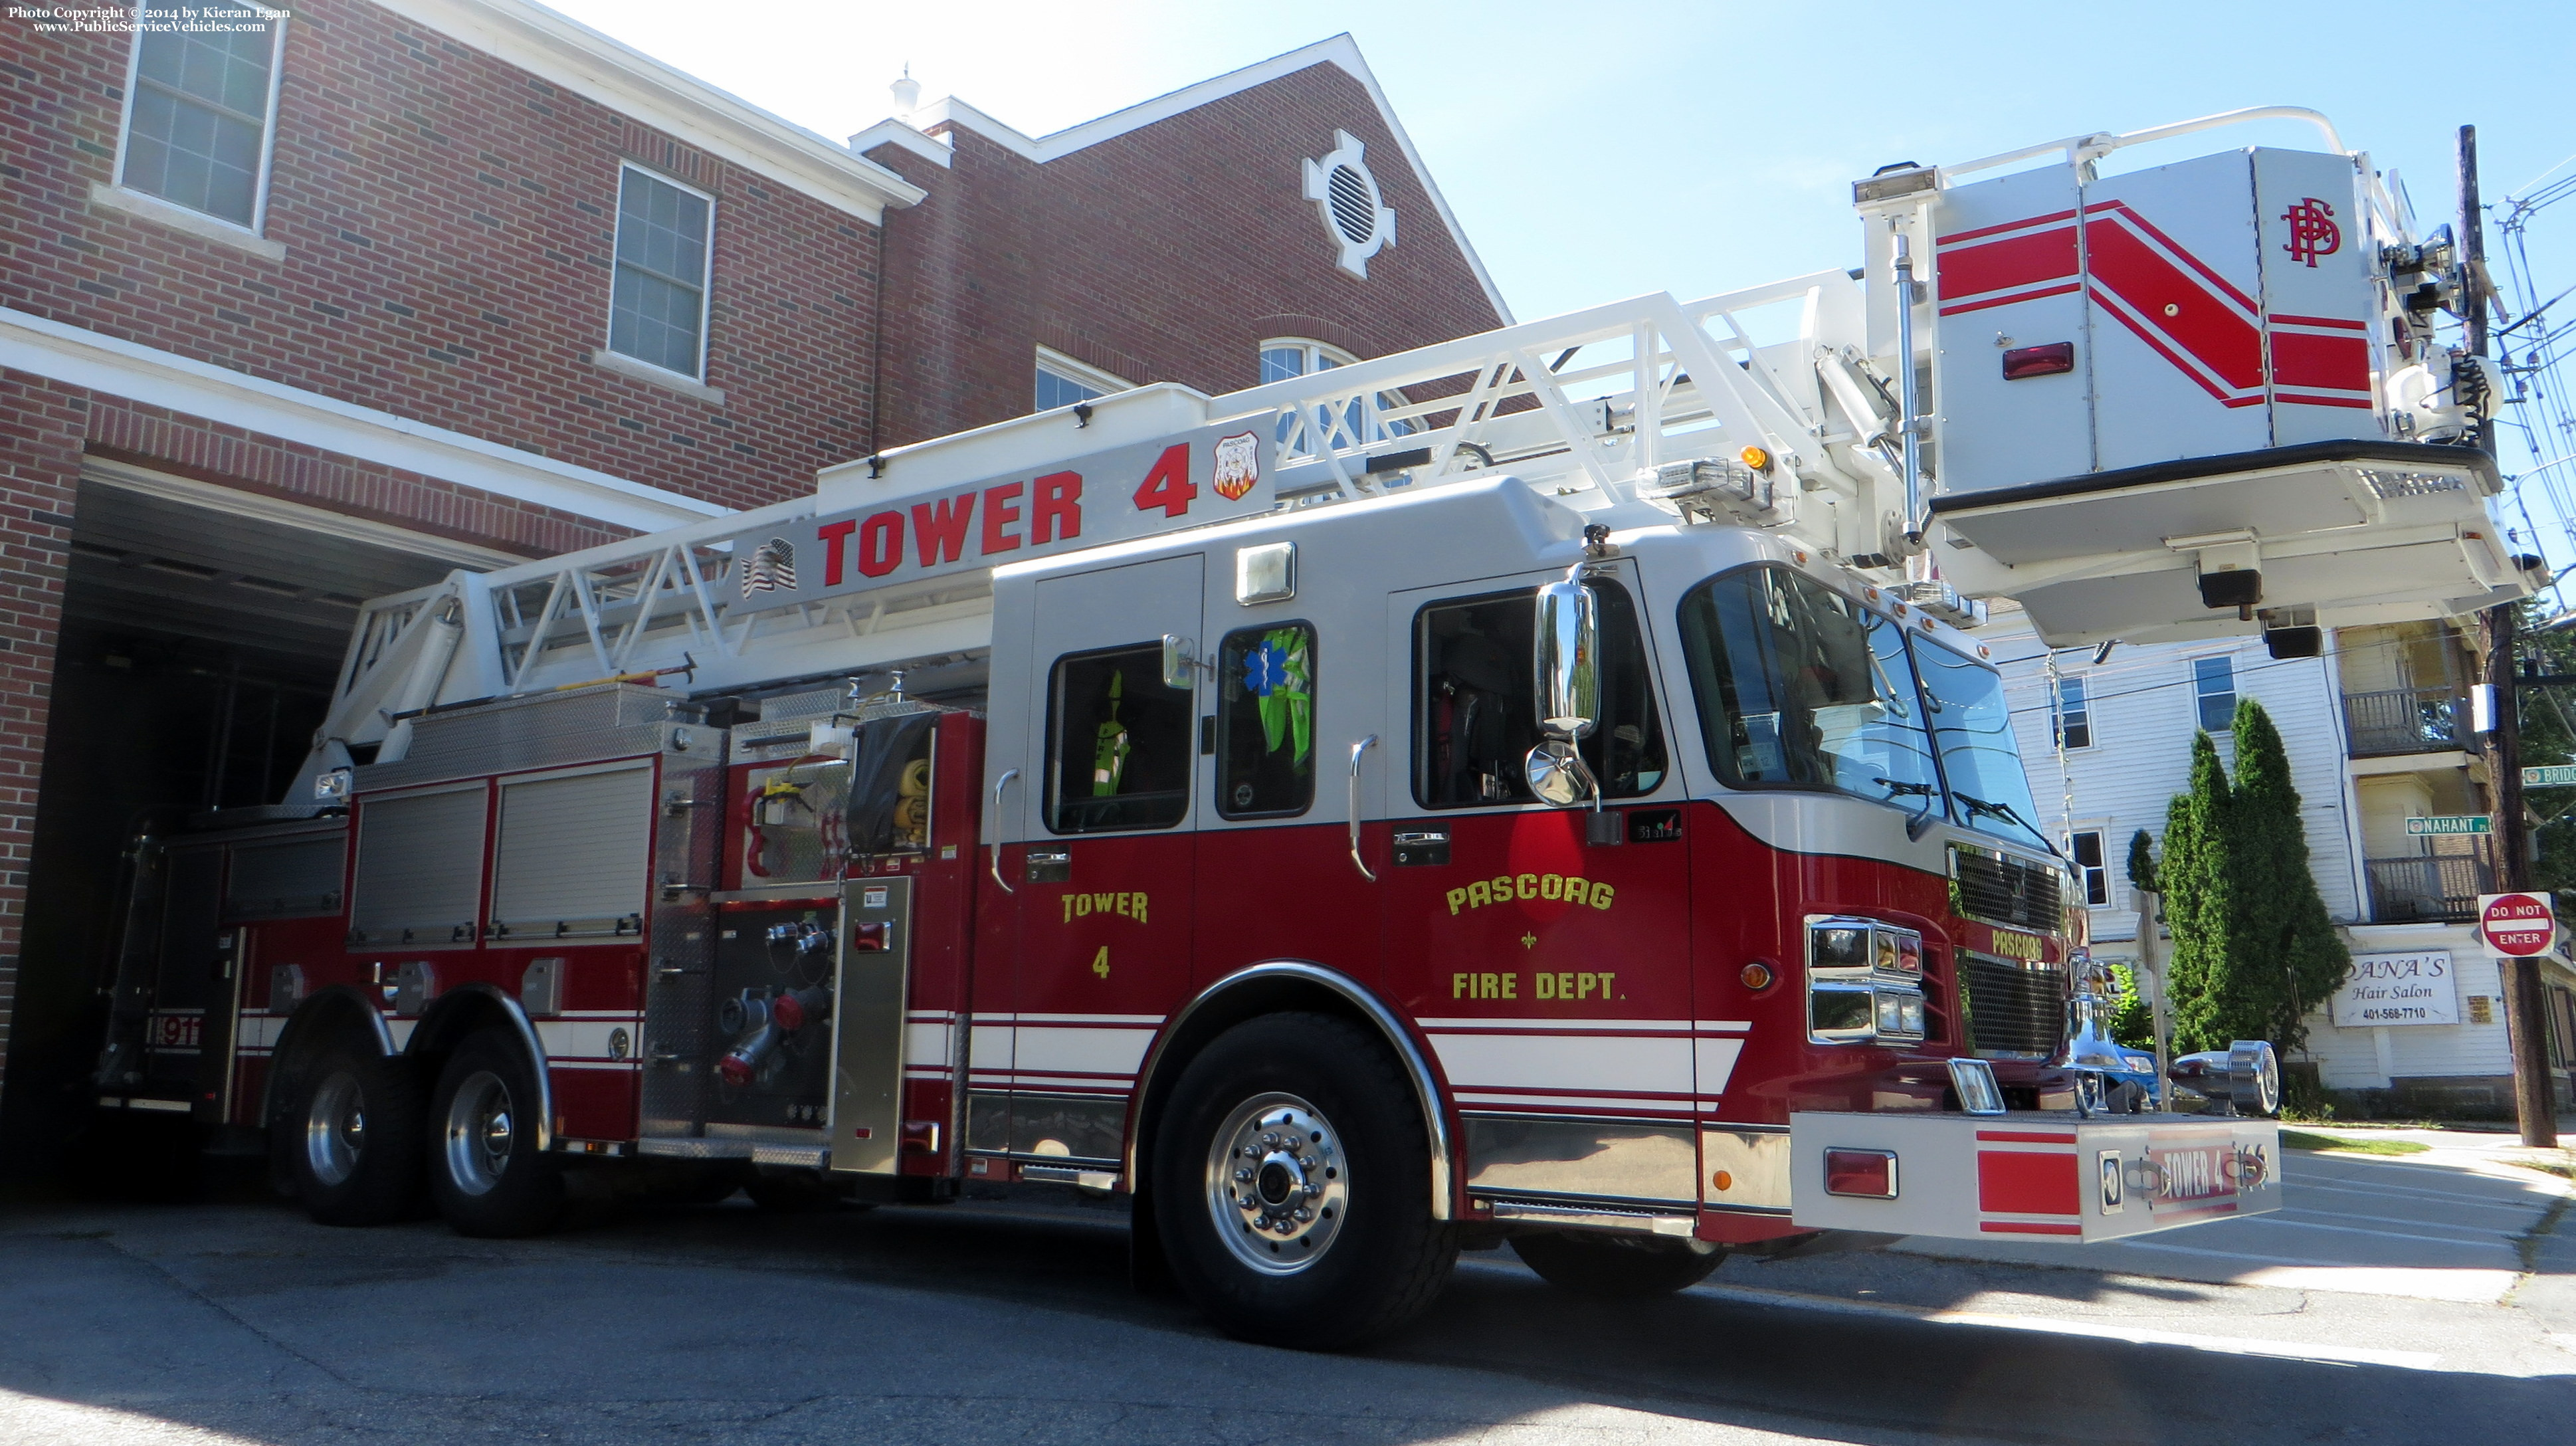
[1544, 787]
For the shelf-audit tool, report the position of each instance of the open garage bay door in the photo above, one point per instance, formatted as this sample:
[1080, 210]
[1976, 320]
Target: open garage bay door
[202, 630]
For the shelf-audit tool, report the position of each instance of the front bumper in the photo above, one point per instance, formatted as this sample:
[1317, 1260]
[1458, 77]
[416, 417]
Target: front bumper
[2032, 1175]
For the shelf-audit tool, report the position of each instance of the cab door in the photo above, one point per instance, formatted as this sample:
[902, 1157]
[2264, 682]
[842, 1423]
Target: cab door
[1546, 957]
[1103, 922]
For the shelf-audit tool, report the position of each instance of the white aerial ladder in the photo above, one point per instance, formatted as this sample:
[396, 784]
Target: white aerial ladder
[2140, 407]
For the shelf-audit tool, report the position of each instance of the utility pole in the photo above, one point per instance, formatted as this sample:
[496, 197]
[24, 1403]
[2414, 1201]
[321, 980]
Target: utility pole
[2535, 1103]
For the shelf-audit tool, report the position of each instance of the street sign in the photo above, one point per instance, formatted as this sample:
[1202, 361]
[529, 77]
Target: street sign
[2517, 926]
[2549, 775]
[2450, 823]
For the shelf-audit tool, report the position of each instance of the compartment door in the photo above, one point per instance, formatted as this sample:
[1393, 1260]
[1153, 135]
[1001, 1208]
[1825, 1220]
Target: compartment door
[867, 1025]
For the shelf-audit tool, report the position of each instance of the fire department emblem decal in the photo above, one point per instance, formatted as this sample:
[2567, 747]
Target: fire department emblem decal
[2313, 232]
[1238, 465]
[772, 568]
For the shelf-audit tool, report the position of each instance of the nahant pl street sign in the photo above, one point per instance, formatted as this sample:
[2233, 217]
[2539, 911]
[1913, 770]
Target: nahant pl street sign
[2450, 823]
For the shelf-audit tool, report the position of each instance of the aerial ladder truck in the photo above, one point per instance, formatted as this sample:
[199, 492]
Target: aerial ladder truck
[1543, 788]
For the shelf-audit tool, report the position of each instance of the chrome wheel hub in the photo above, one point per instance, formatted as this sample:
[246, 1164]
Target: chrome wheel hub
[1278, 1187]
[335, 1129]
[477, 1133]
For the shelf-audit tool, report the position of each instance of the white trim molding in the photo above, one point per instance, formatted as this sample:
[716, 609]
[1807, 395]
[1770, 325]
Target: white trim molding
[83, 358]
[644, 371]
[580, 59]
[910, 132]
[108, 472]
[145, 206]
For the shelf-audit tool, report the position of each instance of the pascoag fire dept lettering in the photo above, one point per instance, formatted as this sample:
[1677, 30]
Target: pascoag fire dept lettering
[1505, 888]
[1576, 984]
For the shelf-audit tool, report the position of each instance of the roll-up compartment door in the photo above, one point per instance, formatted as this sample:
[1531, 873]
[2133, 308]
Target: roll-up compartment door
[420, 867]
[574, 855]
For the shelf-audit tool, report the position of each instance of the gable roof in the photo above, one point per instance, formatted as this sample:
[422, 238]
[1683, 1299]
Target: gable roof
[568, 53]
[908, 132]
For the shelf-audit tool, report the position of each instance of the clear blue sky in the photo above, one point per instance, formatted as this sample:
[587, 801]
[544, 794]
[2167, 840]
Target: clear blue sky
[1602, 149]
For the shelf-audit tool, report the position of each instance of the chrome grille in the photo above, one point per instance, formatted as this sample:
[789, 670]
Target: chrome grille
[2012, 1008]
[1996, 888]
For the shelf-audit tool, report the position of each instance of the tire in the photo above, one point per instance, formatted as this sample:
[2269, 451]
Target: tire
[485, 1171]
[348, 1140]
[1614, 1267]
[1367, 1257]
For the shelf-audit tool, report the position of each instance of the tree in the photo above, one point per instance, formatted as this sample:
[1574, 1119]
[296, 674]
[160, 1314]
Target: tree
[2142, 862]
[2254, 949]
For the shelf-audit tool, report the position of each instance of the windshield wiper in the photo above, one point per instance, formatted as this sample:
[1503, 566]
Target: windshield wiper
[1921, 819]
[2006, 812]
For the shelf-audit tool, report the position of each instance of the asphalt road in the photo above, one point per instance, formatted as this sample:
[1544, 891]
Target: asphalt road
[238, 1321]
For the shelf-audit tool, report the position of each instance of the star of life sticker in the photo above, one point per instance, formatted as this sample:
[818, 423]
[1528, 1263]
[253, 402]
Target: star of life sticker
[1345, 194]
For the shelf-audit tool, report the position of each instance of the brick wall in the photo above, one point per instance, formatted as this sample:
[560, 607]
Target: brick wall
[1165, 254]
[448, 223]
[41, 423]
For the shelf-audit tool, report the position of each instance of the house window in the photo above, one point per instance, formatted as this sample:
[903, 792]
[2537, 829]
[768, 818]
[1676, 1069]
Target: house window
[1357, 422]
[2074, 715]
[657, 311]
[2213, 683]
[1062, 381]
[2084, 847]
[198, 115]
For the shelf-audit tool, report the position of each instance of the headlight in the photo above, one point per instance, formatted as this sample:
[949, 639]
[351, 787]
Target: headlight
[1864, 981]
[1840, 946]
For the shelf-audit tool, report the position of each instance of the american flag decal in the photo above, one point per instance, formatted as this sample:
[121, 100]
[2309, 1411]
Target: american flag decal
[772, 568]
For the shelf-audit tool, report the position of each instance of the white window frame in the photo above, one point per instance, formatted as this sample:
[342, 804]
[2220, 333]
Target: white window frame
[258, 226]
[1374, 425]
[1067, 369]
[2057, 714]
[2101, 829]
[2235, 691]
[706, 281]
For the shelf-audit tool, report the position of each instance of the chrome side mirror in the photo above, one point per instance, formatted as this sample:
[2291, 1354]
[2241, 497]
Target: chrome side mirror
[1567, 659]
[1557, 775]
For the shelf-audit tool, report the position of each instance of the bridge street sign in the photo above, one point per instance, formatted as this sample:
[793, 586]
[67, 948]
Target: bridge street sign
[2450, 823]
[2549, 775]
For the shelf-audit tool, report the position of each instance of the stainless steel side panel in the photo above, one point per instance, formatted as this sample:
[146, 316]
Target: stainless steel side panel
[679, 991]
[867, 1027]
[1591, 1159]
[1756, 1166]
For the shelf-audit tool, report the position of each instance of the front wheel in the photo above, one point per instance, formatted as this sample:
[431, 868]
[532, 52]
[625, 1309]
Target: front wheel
[485, 1170]
[1614, 1267]
[1293, 1180]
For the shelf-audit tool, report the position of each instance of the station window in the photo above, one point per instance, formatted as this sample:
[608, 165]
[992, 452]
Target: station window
[200, 114]
[1118, 742]
[1265, 722]
[1475, 704]
[1353, 423]
[2074, 715]
[1062, 381]
[2084, 848]
[2213, 685]
[657, 311]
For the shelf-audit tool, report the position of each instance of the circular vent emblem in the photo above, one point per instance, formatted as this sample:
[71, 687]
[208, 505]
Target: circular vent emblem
[1346, 196]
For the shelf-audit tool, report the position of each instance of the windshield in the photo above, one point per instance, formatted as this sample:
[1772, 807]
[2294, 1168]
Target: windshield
[1801, 687]
[1988, 790]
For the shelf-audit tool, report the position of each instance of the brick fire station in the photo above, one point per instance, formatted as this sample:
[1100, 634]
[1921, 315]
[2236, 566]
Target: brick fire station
[322, 306]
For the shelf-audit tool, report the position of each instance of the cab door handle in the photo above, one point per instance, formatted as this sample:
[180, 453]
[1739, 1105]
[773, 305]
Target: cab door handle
[1363, 746]
[998, 785]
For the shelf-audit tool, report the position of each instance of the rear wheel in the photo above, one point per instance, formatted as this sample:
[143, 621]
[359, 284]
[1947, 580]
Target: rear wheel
[1292, 1182]
[485, 1170]
[349, 1138]
[1614, 1267]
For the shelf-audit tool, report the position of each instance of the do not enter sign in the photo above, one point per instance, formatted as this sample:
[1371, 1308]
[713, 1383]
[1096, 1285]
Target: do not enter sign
[2517, 925]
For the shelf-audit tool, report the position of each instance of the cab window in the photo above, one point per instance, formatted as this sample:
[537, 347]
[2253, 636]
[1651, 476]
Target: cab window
[1475, 708]
[1802, 687]
[1265, 722]
[1118, 742]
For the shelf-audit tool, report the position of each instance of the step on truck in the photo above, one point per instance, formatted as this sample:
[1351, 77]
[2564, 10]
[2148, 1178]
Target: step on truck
[1544, 788]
